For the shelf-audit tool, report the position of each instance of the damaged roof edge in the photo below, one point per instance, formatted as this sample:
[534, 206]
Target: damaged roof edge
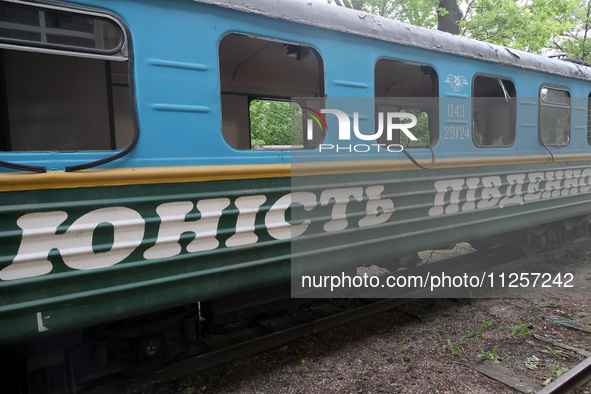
[360, 23]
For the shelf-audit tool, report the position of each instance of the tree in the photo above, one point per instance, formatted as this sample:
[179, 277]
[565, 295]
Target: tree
[275, 122]
[527, 25]
[443, 14]
[576, 42]
[448, 16]
[531, 25]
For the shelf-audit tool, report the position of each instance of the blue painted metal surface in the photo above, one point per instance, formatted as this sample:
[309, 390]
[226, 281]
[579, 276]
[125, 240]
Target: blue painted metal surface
[175, 66]
[177, 85]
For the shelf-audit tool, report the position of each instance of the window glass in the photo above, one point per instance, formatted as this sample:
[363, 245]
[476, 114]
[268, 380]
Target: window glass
[589, 119]
[555, 96]
[259, 79]
[71, 102]
[46, 27]
[493, 112]
[554, 116]
[411, 88]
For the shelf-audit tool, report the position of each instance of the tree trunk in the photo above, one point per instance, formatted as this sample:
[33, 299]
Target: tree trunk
[449, 21]
[357, 5]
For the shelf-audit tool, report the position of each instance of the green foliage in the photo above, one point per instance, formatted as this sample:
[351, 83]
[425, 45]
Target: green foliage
[576, 40]
[420, 131]
[556, 352]
[478, 330]
[302, 367]
[531, 25]
[275, 122]
[450, 350]
[493, 356]
[527, 25]
[427, 318]
[522, 329]
[441, 326]
[416, 12]
[555, 372]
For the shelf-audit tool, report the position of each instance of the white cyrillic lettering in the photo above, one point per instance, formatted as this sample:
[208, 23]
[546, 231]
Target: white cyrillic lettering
[552, 187]
[248, 207]
[470, 203]
[377, 210]
[75, 245]
[513, 195]
[533, 188]
[442, 187]
[339, 209]
[173, 224]
[490, 192]
[571, 182]
[277, 226]
[585, 181]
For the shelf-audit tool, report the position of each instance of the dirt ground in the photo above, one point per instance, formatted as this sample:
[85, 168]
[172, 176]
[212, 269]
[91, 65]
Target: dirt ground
[421, 347]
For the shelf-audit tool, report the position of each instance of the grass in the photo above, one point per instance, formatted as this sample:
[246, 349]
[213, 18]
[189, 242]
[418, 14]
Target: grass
[441, 326]
[449, 349]
[556, 352]
[493, 356]
[302, 367]
[522, 329]
[555, 373]
[478, 330]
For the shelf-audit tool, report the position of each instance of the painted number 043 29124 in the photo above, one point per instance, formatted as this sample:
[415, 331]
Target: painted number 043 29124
[456, 133]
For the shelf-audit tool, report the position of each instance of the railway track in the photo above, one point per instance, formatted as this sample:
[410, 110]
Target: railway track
[571, 380]
[216, 357]
[273, 334]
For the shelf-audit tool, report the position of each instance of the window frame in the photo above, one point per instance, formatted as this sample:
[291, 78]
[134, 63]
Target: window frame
[434, 120]
[289, 100]
[589, 119]
[122, 53]
[541, 104]
[513, 114]
[254, 94]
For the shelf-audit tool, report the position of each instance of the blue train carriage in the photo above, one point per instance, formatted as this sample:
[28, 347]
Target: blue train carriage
[131, 183]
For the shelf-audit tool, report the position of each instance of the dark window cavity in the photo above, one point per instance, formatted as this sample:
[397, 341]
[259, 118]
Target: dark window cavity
[554, 116]
[408, 88]
[494, 110]
[261, 80]
[56, 100]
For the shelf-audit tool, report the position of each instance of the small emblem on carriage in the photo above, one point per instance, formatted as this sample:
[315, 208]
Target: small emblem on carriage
[456, 82]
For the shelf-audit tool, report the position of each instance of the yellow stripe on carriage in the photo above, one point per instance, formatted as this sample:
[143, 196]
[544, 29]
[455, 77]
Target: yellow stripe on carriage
[15, 181]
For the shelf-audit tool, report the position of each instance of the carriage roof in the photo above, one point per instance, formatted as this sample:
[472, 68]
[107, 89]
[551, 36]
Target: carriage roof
[360, 23]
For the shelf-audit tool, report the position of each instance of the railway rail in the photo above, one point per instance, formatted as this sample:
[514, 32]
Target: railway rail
[270, 337]
[571, 380]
